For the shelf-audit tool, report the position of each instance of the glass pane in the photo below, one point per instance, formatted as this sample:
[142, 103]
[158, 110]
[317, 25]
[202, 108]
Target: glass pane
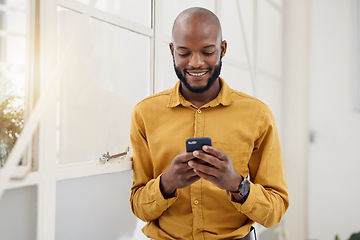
[138, 11]
[232, 32]
[15, 4]
[13, 61]
[15, 21]
[84, 1]
[269, 37]
[278, 2]
[237, 78]
[105, 68]
[270, 92]
[166, 73]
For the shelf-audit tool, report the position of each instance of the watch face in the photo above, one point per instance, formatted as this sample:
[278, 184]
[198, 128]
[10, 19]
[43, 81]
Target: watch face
[245, 188]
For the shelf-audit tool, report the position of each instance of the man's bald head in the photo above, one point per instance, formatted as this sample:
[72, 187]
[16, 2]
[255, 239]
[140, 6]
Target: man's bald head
[195, 16]
[197, 49]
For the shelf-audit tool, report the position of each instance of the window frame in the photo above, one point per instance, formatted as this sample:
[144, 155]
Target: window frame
[93, 167]
[41, 69]
[31, 81]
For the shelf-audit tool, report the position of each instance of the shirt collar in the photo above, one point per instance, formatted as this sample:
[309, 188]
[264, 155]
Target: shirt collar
[224, 96]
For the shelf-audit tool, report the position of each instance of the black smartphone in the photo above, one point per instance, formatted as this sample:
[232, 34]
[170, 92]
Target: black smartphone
[193, 144]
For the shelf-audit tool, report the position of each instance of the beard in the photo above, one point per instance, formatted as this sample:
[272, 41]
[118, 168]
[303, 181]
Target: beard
[181, 75]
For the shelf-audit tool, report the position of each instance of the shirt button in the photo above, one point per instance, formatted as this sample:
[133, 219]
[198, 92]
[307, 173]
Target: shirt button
[199, 111]
[196, 202]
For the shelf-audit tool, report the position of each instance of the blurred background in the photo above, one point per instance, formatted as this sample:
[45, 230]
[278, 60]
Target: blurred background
[71, 72]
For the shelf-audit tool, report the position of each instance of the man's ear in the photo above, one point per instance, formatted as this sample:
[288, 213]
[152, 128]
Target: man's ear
[223, 47]
[171, 46]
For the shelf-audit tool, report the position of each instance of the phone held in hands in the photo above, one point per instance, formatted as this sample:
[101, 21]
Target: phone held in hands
[193, 144]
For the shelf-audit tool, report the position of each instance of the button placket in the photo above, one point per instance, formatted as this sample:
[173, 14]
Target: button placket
[199, 123]
[196, 195]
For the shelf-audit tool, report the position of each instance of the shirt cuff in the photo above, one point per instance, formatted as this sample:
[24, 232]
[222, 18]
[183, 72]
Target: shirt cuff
[247, 206]
[159, 198]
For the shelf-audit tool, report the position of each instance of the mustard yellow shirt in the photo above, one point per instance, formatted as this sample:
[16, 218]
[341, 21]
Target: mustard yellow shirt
[242, 127]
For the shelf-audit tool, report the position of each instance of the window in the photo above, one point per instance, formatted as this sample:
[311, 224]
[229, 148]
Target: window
[107, 71]
[14, 77]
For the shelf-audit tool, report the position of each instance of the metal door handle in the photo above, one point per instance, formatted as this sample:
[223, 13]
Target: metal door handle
[106, 157]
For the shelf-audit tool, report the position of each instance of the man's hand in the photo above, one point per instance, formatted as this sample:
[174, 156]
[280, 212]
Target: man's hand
[178, 175]
[221, 171]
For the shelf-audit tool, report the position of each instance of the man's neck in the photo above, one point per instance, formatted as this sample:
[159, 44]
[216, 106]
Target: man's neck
[200, 99]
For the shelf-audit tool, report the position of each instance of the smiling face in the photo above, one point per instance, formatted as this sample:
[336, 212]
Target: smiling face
[197, 50]
[198, 89]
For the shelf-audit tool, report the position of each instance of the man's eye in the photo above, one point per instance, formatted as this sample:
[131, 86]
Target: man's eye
[184, 54]
[209, 53]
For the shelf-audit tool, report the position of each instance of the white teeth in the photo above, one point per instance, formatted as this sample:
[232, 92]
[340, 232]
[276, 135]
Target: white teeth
[197, 74]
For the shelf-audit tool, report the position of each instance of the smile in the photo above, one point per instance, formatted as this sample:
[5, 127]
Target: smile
[197, 74]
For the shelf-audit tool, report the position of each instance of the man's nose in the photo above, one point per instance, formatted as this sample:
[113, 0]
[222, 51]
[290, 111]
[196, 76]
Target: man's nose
[196, 60]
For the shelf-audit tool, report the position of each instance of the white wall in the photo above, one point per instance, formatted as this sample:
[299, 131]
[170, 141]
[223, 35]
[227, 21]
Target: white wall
[334, 158]
[295, 140]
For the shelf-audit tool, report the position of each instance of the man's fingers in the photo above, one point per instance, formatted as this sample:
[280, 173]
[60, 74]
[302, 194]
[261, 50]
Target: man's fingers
[206, 157]
[205, 169]
[206, 176]
[215, 152]
[184, 157]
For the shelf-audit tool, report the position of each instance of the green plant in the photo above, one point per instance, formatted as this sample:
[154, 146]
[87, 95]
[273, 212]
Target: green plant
[355, 236]
[11, 124]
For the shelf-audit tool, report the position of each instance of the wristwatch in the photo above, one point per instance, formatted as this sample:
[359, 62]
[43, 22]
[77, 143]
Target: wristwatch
[244, 188]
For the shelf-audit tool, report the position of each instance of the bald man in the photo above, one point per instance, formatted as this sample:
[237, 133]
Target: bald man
[220, 191]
